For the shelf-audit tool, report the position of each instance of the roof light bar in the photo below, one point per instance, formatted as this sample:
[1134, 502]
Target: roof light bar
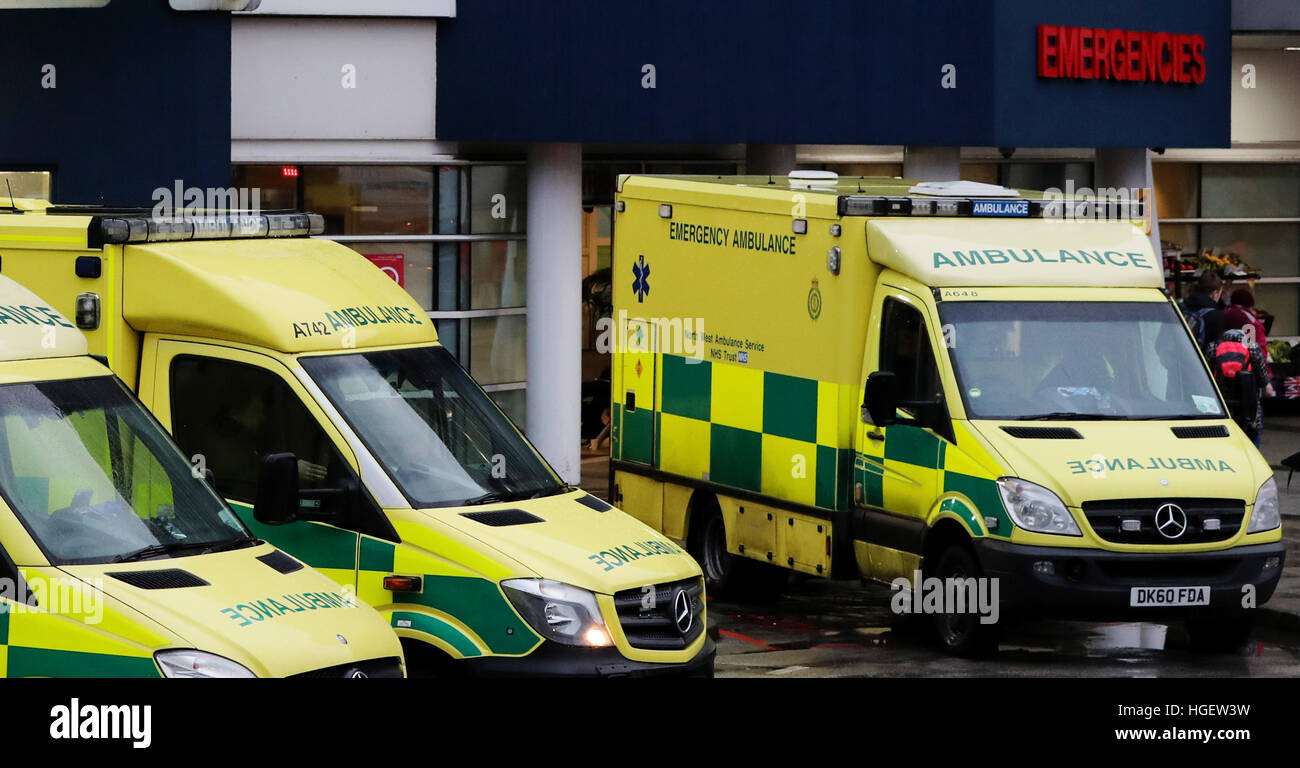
[1106, 209]
[220, 227]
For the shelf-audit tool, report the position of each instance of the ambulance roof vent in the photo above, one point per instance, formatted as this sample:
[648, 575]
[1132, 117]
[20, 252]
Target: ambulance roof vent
[962, 189]
[498, 518]
[594, 503]
[166, 578]
[280, 562]
[809, 179]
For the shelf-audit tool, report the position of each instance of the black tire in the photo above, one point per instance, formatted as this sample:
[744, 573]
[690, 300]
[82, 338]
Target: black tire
[962, 634]
[423, 660]
[1225, 635]
[727, 575]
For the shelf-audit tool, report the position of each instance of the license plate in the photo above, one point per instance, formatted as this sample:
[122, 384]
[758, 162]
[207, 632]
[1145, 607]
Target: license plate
[1159, 597]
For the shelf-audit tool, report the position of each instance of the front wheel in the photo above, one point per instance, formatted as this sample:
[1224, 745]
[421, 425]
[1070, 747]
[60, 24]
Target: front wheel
[962, 633]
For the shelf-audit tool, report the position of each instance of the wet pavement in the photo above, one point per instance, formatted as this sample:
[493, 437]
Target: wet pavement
[821, 628]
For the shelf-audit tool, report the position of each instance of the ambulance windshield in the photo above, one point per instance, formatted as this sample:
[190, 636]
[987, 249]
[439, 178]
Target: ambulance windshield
[434, 431]
[95, 479]
[1086, 360]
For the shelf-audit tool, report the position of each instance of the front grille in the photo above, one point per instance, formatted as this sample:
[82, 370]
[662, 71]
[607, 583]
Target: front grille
[649, 620]
[390, 667]
[166, 578]
[1107, 518]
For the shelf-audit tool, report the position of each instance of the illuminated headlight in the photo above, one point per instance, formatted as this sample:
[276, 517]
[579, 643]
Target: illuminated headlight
[1266, 514]
[558, 612]
[1035, 508]
[191, 663]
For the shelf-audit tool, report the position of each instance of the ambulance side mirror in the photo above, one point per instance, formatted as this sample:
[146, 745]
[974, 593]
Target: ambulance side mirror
[880, 398]
[277, 490]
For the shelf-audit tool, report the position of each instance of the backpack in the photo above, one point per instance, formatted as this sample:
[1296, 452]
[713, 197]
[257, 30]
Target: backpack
[1196, 322]
[1232, 368]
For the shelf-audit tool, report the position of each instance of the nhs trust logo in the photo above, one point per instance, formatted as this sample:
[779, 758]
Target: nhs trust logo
[103, 721]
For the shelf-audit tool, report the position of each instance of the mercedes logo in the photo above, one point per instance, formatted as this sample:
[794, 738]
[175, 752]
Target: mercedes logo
[354, 672]
[1171, 521]
[682, 614]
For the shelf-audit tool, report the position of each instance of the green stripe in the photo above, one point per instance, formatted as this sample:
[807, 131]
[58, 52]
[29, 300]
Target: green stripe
[658, 455]
[316, 544]
[869, 471]
[479, 605]
[439, 629]
[4, 622]
[616, 431]
[965, 512]
[376, 555]
[42, 662]
[827, 466]
[912, 445]
[790, 407]
[984, 494]
[636, 442]
[687, 387]
[735, 457]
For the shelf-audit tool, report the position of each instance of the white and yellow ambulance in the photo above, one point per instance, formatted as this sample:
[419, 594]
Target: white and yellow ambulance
[116, 559]
[315, 391]
[879, 379]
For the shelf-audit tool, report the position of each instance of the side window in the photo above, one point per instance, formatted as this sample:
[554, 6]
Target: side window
[905, 350]
[235, 414]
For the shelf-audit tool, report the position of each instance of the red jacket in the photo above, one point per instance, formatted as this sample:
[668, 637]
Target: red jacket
[1238, 317]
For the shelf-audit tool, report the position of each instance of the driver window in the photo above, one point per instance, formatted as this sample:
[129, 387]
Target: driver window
[905, 350]
[235, 414]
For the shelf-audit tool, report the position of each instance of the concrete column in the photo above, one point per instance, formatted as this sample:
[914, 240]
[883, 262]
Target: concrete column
[1129, 168]
[555, 305]
[770, 159]
[932, 163]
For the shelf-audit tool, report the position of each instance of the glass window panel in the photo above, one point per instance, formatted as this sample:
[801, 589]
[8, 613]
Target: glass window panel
[1273, 249]
[33, 184]
[452, 291]
[1185, 236]
[277, 185]
[604, 223]
[1283, 301]
[515, 404]
[449, 200]
[499, 271]
[1178, 190]
[416, 271]
[498, 198]
[449, 336]
[370, 199]
[1249, 190]
[498, 351]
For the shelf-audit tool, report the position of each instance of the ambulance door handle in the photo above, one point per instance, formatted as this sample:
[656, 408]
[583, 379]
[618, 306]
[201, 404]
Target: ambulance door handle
[876, 435]
[630, 402]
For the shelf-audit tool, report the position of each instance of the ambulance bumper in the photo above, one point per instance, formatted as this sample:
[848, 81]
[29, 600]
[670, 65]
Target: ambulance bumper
[556, 660]
[1095, 584]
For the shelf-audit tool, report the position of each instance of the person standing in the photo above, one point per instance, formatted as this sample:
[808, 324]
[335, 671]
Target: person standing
[1240, 314]
[1242, 375]
[1201, 308]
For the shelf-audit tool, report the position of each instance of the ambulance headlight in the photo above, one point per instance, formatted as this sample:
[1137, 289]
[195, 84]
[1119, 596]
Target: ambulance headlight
[191, 663]
[1266, 515]
[1035, 508]
[558, 612]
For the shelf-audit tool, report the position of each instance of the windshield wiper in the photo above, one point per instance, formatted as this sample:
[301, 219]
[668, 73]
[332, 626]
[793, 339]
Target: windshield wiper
[493, 497]
[154, 550]
[1069, 416]
[239, 543]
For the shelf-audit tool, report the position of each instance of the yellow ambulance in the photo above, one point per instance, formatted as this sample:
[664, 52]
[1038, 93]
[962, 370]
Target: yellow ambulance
[315, 391]
[927, 385]
[117, 560]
